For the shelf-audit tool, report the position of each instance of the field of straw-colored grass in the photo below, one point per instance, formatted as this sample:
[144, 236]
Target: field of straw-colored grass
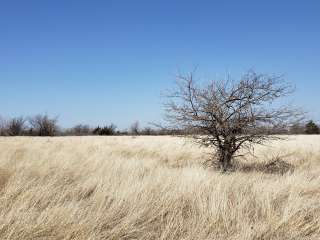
[154, 188]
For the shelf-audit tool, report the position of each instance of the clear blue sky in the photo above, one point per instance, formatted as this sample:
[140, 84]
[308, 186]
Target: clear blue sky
[106, 61]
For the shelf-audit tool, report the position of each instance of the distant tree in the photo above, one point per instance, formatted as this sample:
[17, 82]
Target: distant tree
[312, 128]
[3, 127]
[16, 126]
[135, 128]
[297, 128]
[147, 131]
[230, 115]
[122, 132]
[43, 125]
[79, 130]
[96, 131]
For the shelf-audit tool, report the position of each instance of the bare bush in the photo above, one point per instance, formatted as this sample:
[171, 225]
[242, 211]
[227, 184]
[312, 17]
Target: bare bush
[230, 115]
[16, 126]
[43, 125]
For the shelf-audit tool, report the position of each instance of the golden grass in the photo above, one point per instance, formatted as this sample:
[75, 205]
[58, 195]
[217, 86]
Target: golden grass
[153, 188]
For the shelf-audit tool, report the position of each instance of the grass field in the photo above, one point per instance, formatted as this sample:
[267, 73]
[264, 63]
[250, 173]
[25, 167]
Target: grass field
[154, 188]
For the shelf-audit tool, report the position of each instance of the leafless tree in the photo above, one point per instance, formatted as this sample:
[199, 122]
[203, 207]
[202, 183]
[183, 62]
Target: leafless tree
[147, 131]
[135, 128]
[79, 130]
[230, 115]
[16, 126]
[43, 125]
[3, 126]
[297, 128]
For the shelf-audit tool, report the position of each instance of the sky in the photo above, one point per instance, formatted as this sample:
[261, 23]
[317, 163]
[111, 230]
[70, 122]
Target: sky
[98, 62]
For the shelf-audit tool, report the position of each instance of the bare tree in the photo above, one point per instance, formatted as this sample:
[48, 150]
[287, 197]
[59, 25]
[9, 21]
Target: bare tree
[16, 126]
[230, 115]
[297, 128]
[147, 131]
[135, 128]
[3, 126]
[43, 125]
[79, 130]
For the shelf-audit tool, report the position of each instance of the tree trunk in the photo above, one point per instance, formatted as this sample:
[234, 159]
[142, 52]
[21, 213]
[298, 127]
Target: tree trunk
[225, 157]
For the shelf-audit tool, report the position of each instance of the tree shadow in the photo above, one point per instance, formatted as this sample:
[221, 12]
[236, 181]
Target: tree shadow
[275, 166]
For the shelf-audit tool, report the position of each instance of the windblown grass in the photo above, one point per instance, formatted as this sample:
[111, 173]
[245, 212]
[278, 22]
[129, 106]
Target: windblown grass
[154, 188]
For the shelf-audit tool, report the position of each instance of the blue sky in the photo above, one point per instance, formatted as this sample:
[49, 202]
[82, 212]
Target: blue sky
[98, 62]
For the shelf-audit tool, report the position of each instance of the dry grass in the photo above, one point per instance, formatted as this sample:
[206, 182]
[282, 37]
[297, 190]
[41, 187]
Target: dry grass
[153, 188]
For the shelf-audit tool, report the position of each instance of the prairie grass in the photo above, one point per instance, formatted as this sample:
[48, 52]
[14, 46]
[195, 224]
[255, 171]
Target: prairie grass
[154, 188]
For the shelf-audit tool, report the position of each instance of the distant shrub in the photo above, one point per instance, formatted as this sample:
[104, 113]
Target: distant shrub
[106, 130]
[312, 128]
[16, 126]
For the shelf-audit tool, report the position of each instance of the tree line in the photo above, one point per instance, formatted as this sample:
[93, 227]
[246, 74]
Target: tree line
[45, 125]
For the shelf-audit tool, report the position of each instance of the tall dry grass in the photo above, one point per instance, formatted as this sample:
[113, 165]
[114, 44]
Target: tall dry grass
[153, 188]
